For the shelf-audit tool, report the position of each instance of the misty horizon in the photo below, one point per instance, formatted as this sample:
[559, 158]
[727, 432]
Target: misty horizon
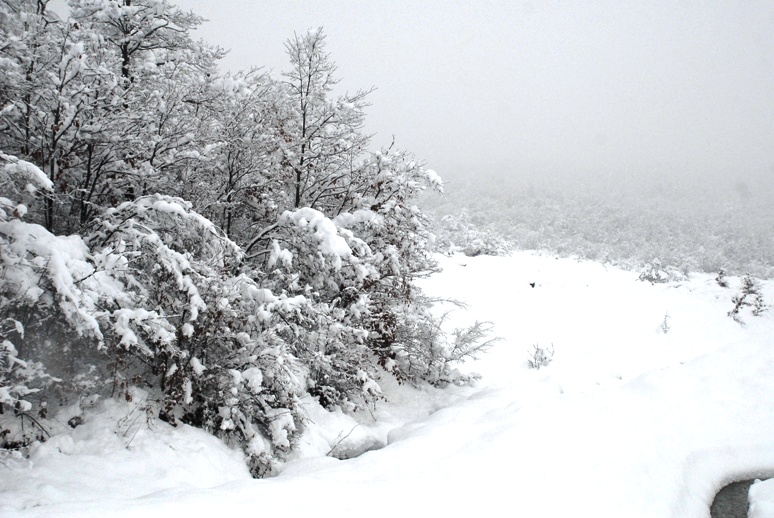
[593, 89]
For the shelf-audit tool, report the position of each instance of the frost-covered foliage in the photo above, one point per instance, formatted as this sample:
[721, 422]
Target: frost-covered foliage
[458, 233]
[228, 243]
[21, 180]
[104, 103]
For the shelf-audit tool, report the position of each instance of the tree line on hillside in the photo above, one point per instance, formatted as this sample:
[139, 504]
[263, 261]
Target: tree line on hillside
[630, 223]
[228, 242]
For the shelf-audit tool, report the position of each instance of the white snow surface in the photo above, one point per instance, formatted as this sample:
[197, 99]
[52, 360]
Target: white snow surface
[761, 498]
[627, 420]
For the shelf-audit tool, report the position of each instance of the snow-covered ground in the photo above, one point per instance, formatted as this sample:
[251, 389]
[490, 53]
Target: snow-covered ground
[655, 399]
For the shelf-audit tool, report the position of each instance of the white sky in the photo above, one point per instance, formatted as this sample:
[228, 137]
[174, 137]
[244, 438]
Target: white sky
[525, 87]
[535, 87]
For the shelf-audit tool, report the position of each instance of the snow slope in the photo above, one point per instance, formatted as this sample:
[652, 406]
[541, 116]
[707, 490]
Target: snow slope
[637, 415]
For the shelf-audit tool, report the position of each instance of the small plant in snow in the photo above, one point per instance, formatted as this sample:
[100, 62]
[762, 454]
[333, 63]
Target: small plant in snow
[665, 327]
[721, 279]
[751, 297]
[540, 356]
[142, 413]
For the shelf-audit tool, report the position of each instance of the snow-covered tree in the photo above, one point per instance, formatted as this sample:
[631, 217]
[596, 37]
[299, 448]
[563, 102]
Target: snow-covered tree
[343, 228]
[236, 184]
[45, 93]
[139, 29]
[321, 137]
[107, 103]
[153, 134]
[229, 243]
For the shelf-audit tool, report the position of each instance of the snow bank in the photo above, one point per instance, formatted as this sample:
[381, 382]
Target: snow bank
[119, 452]
[761, 499]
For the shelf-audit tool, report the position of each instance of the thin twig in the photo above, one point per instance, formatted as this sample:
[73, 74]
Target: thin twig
[341, 440]
[35, 421]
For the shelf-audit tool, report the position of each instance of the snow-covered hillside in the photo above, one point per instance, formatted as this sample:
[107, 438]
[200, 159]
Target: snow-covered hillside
[653, 400]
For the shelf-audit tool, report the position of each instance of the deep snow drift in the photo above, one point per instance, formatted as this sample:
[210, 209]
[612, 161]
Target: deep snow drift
[655, 399]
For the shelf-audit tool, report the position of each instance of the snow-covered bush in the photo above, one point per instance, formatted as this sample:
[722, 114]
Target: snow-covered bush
[236, 375]
[749, 297]
[326, 266]
[540, 356]
[215, 342]
[424, 351]
[153, 296]
[457, 233]
[655, 273]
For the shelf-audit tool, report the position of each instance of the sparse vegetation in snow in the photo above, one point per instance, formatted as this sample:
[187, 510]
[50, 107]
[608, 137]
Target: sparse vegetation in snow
[540, 356]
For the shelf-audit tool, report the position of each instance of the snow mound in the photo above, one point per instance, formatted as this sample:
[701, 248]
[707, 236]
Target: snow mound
[119, 451]
[761, 499]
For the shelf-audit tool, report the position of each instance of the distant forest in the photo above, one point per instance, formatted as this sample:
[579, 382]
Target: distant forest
[687, 224]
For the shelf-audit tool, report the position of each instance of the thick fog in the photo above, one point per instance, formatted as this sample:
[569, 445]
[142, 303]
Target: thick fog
[609, 130]
[602, 89]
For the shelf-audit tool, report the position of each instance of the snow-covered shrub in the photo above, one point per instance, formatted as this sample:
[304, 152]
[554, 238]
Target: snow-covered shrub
[236, 376]
[153, 296]
[655, 273]
[422, 350]
[540, 356]
[316, 259]
[457, 233]
[402, 331]
[749, 297]
[49, 293]
[215, 342]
